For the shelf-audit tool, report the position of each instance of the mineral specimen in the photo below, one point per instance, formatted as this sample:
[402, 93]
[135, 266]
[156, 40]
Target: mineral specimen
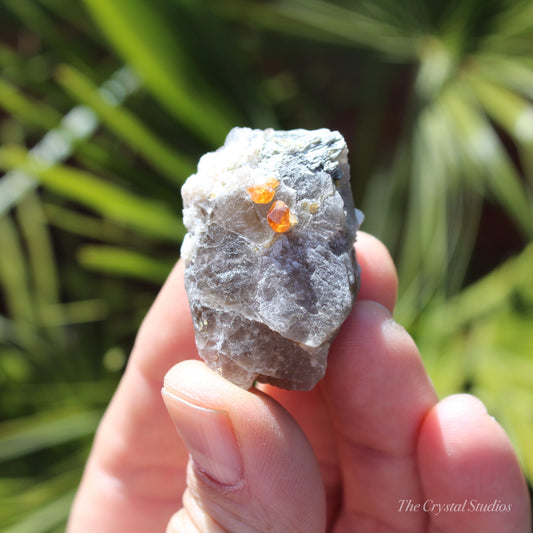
[270, 266]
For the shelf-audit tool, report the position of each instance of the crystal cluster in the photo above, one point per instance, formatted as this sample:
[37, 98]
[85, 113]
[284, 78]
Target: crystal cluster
[270, 266]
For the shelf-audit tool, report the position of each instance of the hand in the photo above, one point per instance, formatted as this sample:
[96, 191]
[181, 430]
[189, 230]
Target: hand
[357, 453]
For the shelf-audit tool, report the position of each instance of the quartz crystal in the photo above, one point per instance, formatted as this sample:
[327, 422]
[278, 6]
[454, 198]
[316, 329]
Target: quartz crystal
[270, 267]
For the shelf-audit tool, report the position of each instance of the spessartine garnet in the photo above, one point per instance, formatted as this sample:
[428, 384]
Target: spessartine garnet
[263, 194]
[280, 217]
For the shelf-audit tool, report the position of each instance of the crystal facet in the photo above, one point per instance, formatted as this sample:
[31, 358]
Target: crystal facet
[270, 282]
[261, 194]
[280, 217]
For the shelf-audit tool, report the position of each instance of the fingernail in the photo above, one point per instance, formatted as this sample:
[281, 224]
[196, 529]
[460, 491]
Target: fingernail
[208, 435]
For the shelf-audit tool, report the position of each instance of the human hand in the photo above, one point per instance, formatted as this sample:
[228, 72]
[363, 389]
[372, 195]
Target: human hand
[357, 453]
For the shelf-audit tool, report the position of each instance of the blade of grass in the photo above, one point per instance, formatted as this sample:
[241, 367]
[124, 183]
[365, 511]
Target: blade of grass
[316, 19]
[124, 263]
[516, 73]
[79, 312]
[22, 502]
[513, 113]
[127, 126]
[22, 334]
[517, 421]
[77, 125]
[46, 517]
[485, 296]
[144, 215]
[32, 222]
[140, 33]
[425, 251]
[26, 110]
[58, 394]
[85, 225]
[14, 273]
[484, 151]
[27, 435]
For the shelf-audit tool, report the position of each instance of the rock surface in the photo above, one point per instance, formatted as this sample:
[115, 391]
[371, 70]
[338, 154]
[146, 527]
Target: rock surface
[270, 267]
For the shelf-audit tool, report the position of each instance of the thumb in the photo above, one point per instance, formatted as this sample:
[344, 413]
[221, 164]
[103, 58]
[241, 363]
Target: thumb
[251, 468]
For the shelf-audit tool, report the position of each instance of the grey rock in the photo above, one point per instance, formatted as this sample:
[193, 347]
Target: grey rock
[267, 305]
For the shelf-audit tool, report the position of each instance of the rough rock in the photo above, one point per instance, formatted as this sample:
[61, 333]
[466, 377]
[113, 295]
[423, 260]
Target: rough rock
[270, 284]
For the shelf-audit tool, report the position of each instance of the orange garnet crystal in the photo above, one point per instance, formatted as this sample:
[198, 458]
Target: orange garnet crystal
[263, 194]
[280, 218]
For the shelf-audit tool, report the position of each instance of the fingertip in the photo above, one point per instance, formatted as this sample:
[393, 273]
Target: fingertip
[243, 443]
[196, 382]
[379, 280]
[466, 456]
[375, 375]
[459, 423]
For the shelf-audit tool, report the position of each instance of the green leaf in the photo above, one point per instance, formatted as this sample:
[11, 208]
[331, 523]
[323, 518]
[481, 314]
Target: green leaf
[46, 517]
[79, 312]
[14, 277]
[25, 496]
[513, 72]
[140, 33]
[319, 20]
[85, 225]
[486, 158]
[144, 215]
[509, 110]
[18, 105]
[486, 296]
[30, 434]
[127, 126]
[125, 263]
[32, 222]
[424, 259]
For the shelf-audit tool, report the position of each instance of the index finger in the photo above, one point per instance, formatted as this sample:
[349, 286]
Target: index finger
[166, 336]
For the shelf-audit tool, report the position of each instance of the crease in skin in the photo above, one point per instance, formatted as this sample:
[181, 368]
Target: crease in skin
[190, 403]
[198, 515]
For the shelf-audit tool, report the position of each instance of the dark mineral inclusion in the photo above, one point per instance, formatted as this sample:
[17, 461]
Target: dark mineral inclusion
[267, 298]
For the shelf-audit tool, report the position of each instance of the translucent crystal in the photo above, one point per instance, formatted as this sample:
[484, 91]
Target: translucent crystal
[261, 194]
[270, 283]
[280, 218]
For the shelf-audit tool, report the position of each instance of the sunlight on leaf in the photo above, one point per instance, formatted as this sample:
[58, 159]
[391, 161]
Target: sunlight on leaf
[148, 216]
[21, 107]
[122, 262]
[46, 517]
[30, 434]
[141, 34]
[161, 156]
[14, 273]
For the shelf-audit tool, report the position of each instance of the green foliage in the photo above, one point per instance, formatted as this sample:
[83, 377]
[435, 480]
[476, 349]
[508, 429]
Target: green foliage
[107, 105]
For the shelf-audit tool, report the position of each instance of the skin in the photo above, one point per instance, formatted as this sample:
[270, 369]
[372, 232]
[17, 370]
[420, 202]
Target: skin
[341, 458]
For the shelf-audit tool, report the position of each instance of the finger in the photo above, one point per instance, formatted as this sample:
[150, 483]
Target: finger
[134, 450]
[166, 335]
[136, 413]
[251, 469]
[467, 463]
[379, 282]
[377, 393]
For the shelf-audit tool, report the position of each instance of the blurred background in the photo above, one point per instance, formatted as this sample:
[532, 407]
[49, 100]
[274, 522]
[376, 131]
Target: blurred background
[105, 108]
